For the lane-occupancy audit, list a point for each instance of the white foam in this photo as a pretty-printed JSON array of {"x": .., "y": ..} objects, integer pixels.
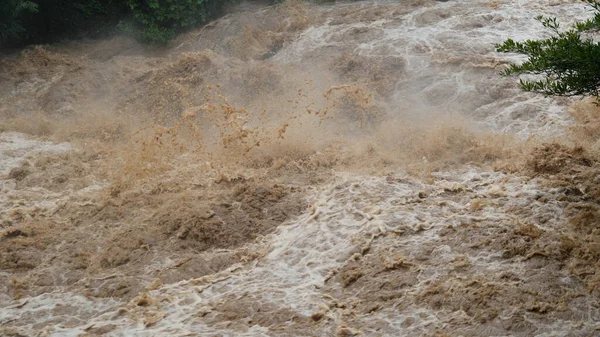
[
  {"x": 304, "y": 251},
  {"x": 16, "y": 147},
  {"x": 449, "y": 50}
]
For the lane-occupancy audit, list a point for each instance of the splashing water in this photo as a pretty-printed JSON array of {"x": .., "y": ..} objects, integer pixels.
[{"x": 286, "y": 171}]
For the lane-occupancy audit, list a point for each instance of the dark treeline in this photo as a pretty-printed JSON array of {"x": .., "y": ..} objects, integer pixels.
[{"x": 39, "y": 21}]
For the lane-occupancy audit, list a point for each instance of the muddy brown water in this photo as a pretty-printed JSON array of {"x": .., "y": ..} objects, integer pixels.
[{"x": 340, "y": 169}]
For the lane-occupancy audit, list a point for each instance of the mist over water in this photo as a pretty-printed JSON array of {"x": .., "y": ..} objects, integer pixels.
[{"x": 354, "y": 168}]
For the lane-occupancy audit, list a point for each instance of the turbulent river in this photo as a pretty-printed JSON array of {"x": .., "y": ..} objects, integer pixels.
[{"x": 346, "y": 169}]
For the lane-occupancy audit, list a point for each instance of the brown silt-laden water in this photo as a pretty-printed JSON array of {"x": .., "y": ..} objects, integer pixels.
[{"x": 347, "y": 169}]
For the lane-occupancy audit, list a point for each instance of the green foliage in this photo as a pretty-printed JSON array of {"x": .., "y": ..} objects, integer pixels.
[
  {"x": 160, "y": 20},
  {"x": 12, "y": 14},
  {"x": 152, "y": 34},
  {"x": 569, "y": 64},
  {"x": 31, "y": 21},
  {"x": 69, "y": 16},
  {"x": 593, "y": 23}
]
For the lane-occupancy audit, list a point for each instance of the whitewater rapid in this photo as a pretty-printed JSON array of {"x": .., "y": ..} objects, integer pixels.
[{"x": 449, "y": 68}]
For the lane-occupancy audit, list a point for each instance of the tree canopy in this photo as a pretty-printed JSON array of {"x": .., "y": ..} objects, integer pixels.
[
  {"x": 567, "y": 63},
  {"x": 35, "y": 21}
]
